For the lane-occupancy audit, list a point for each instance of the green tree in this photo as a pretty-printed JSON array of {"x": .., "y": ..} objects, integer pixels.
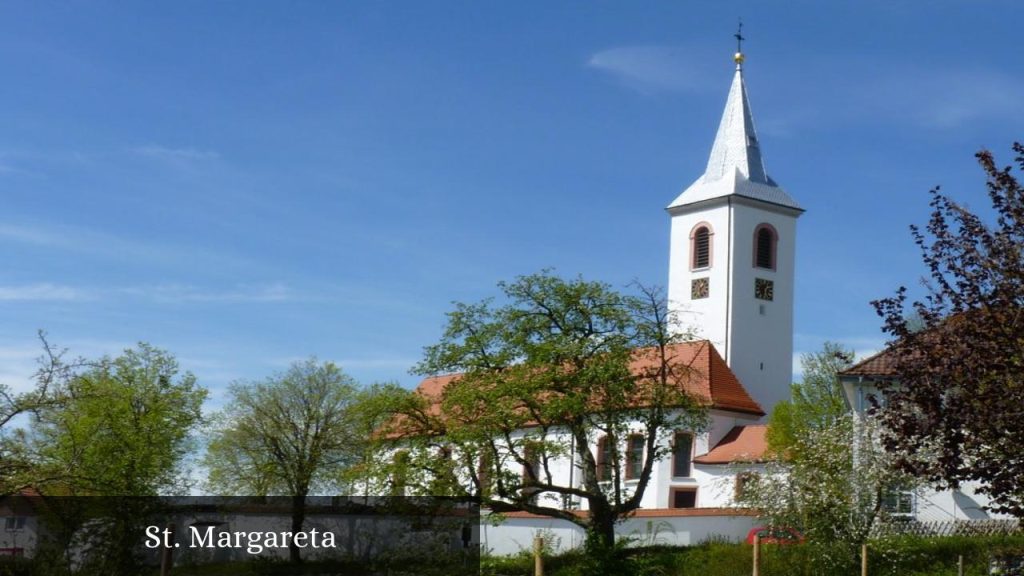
[
  {"x": 559, "y": 367},
  {"x": 124, "y": 426},
  {"x": 19, "y": 464},
  {"x": 291, "y": 434},
  {"x": 816, "y": 402},
  {"x": 954, "y": 410},
  {"x": 834, "y": 489},
  {"x": 829, "y": 476},
  {"x": 370, "y": 413}
]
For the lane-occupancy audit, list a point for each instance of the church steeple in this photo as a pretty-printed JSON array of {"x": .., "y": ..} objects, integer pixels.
[
  {"x": 736, "y": 147},
  {"x": 731, "y": 263},
  {"x": 735, "y": 166}
]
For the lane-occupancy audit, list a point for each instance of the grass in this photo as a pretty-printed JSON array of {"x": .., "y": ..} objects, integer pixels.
[{"x": 905, "y": 556}]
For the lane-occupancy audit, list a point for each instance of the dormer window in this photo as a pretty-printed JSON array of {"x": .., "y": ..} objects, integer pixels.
[
  {"x": 700, "y": 246},
  {"x": 765, "y": 241}
]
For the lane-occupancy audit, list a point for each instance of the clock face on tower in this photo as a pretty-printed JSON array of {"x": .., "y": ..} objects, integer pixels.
[
  {"x": 699, "y": 288},
  {"x": 764, "y": 289}
]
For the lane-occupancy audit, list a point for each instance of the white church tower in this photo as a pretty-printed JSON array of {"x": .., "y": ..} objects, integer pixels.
[{"x": 731, "y": 256}]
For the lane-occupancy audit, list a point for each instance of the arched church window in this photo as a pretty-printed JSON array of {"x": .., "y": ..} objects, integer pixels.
[
  {"x": 634, "y": 456},
  {"x": 604, "y": 459},
  {"x": 700, "y": 246},
  {"x": 765, "y": 240}
]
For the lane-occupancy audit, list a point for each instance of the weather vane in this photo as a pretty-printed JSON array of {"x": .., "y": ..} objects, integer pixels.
[{"x": 738, "y": 58}]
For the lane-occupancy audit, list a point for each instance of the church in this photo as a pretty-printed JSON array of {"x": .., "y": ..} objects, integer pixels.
[{"x": 731, "y": 275}]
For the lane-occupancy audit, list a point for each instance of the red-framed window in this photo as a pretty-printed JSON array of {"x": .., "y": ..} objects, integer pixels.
[{"x": 766, "y": 240}]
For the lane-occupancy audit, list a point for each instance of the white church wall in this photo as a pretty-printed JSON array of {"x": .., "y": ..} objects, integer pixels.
[
  {"x": 963, "y": 504},
  {"x": 565, "y": 472},
  {"x": 718, "y": 482},
  {"x": 721, "y": 423},
  {"x": 754, "y": 336},
  {"x": 929, "y": 504},
  {"x": 704, "y": 316},
  {"x": 515, "y": 535},
  {"x": 760, "y": 347},
  {"x": 713, "y": 484}
]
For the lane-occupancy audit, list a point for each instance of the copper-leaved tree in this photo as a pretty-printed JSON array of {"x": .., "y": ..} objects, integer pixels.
[{"x": 956, "y": 413}]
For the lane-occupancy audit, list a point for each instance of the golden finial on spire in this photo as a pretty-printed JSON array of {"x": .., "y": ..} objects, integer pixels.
[{"x": 738, "y": 57}]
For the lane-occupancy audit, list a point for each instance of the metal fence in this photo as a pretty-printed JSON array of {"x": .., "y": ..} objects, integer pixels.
[{"x": 946, "y": 528}]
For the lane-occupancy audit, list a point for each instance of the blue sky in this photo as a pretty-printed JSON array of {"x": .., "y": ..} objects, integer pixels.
[{"x": 250, "y": 183}]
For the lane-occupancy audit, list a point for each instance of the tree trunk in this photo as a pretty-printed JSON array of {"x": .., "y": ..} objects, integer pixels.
[
  {"x": 298, "y": 519},
  {"x": 600, "y": 545}
]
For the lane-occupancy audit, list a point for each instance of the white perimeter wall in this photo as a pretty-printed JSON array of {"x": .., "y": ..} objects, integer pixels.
[{"x": 514, "y": 535}]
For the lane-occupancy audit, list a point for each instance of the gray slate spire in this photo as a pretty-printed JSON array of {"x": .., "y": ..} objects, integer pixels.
[{"x": 735, "y": 166}]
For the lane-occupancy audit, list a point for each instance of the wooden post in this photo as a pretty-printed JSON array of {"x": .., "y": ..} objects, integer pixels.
[
  {"x": 864, "y": 559},
  {"x": 757, "y": 555},
  {"x": 167, "y": 554},
  {"x": 538, "y": 558},
  {"x": 960, "y": 565}
]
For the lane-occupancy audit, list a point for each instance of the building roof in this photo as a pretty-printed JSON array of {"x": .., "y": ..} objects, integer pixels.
[
  {"x": 709, "y": 379},
  {"x": 882, "y": 364},
  {"x": 735, "y": 166},
  {"x": 741, "y": 444},
  {"x": 955, "y": 329}
]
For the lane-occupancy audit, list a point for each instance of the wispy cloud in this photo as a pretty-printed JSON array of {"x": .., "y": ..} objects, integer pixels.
[
  {"x": 650, "y": 69},
  {"x": 104, "y": 245},
  {"x": 18, "y": 363},
  {"x": 158, "y": 293},
  {"x": 858, "y": 91},
  {"x": 29, "y": 235},
  {"x": 43, "y": 291},
  {"x": 175, "y": 154},
  {"x": 183, "y": 293},
  {"x": 13, "y": 163},
  {"x": 949, "y": 98}
]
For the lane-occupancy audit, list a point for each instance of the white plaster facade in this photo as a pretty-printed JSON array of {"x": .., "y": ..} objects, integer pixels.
[
  {"x": 751, "y": 329},
  {"x": 927, "y": 504},
  {"x": 515, "y": 535},
  {"x": 19, "y": 530},
  {"x": 714, "y": 516},
  {"x": 754, "y": 335},
  {"x": 714, "y": 483}
]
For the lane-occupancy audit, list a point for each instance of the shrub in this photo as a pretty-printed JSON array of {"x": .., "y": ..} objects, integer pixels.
[{"x": 900, "y": 556}]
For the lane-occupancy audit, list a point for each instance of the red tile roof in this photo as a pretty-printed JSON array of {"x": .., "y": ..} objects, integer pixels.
[
  {"x": 741, "y": 444},
  {"x": 880, "y": 364},
  {"x": 709, "y": 379}
]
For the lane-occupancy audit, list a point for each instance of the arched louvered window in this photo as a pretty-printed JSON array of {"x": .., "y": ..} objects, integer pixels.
[
  {"x": 700, "y": 246},
  {"x": 765, "y": 240}
]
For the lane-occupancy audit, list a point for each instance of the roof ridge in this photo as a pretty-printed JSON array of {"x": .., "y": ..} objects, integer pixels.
[
  {"x": 868, "y": 359},
  {"x": 717, "y": 384}
]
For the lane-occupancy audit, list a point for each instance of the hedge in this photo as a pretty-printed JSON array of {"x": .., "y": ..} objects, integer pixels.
[{"x": 897, "y": 556}]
